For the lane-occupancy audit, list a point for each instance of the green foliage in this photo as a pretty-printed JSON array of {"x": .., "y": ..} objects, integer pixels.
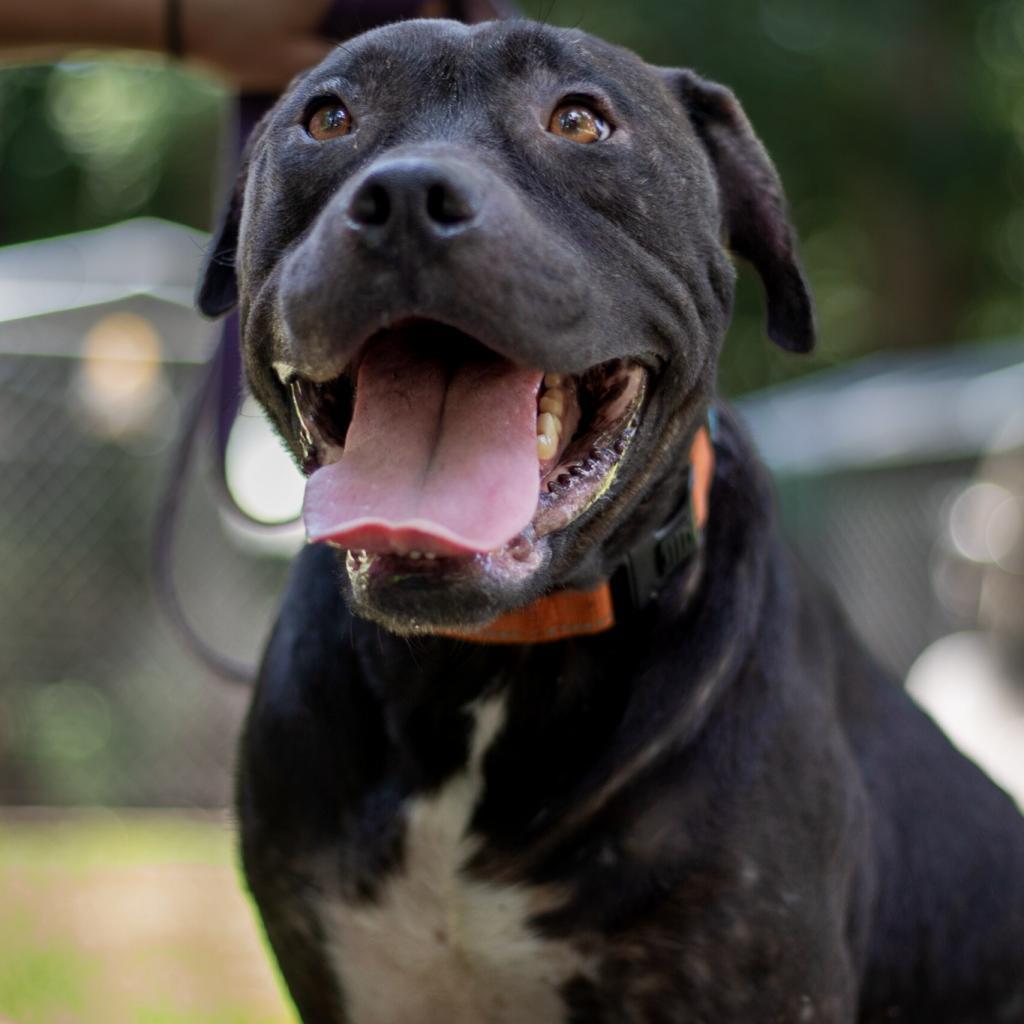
[
  {"x": 134, "y": 917},
  {"x": 91, "y": 142},
  {"x": 40, "y": 983},
  {"x": 159, "y": 1016}
]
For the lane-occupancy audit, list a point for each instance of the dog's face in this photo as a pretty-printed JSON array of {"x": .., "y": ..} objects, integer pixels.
[{"x": 484, "y": 280}]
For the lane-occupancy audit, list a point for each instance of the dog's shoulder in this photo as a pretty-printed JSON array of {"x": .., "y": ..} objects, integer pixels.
[{"x": 940, "y": 875}]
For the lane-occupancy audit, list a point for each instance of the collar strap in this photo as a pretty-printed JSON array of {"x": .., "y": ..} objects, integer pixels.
[
  {"x": 646, "y": 567},
  {"x": 557, "y": 616}
]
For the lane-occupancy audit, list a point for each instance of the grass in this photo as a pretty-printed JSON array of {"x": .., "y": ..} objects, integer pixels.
[{"x": 134, "y": 918}]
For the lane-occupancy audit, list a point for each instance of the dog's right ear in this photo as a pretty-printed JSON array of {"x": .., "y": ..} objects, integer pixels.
[{"x": 217, "y": 291}]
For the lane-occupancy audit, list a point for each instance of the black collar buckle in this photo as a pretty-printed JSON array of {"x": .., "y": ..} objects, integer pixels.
[{"x": 649, "y": 563}]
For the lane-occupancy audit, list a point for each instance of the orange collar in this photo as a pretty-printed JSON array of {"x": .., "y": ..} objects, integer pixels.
[{"x": 569, "y": 613}]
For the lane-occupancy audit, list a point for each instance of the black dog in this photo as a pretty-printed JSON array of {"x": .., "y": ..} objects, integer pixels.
[{"x": 720, "y": 810}]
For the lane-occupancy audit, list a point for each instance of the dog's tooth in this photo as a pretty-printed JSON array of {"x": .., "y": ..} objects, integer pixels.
[
  {"x": 549, "y": 429},
  {"x": 285, "y": 371},
  {"x": 429, "y": 555},
  {"x": 552, "y": 380},
  {"x": 546, "y": 447},
  {"x": 549, "y": 424},
  {"x": 415, "y": 555},
  {"x": 553, "y": 402}
]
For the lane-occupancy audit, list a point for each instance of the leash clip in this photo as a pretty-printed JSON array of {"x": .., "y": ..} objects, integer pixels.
[{"x": 648, "y": 564}]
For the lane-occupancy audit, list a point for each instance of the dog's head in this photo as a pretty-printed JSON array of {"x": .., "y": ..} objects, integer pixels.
[{"x": 484, "y": 277}]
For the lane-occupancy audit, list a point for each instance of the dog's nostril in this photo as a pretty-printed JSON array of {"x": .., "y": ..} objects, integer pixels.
[
  {"x": 371, "y": 205},
  {"x": 447, "y": 206},
  {"x": 395, "y": 198}
]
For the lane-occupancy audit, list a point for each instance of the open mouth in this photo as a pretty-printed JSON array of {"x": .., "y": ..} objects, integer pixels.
[{"x": 432, "y": 449}]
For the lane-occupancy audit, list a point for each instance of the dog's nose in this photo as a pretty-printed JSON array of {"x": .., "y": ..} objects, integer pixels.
[{"x": 418, "y": 195}]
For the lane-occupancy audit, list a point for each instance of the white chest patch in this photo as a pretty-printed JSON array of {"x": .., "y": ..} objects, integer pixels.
[{"x": 437, "y": 947}]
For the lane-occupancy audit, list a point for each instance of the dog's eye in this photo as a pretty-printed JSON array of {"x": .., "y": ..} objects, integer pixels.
[
  {"x": 578, "y": 123},
  {"x": 329, "y": 121}
]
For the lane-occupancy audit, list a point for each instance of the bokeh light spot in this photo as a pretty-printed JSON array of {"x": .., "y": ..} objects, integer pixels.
[
  {"x": 261, "y": 476},
  {"x": 120, "y": 381}
]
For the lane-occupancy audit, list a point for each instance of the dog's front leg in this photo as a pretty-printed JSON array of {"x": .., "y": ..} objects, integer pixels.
[{"x": 293, "y": 765}]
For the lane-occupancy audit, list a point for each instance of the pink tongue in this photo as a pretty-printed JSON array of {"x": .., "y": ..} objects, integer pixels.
[{"x": 436, "y": 460}]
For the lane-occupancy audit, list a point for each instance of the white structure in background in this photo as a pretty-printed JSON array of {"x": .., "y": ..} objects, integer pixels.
[
  {"x": 893, "y": 408},
  {"x": 119, "y": 300},
  {"x": 964, "y": 687}
]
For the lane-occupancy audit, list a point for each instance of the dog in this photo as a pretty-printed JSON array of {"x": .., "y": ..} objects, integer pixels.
[{"x": 552, "y": 727}]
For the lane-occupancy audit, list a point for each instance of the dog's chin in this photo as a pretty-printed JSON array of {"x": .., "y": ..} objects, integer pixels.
[{"x": 428, "y": 596}]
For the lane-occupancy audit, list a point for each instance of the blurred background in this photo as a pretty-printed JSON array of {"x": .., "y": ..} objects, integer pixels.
[{"x": 898, "y": 449}]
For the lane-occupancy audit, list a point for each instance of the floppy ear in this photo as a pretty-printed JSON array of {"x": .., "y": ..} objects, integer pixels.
[
  {"x": 217, "y": 291},
  {"x": 753, "y": 205}
]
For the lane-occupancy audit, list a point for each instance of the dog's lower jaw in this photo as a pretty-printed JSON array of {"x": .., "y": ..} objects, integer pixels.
[
  {"x": 415, "y": 594},
  {"x": 444, "y": 594}
]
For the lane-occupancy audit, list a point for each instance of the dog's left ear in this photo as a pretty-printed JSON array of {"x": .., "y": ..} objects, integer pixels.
[{"x": 753, "y": 205}]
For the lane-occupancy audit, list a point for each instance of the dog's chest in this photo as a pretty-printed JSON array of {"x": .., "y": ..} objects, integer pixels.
[{"x": 436, "y": 945}]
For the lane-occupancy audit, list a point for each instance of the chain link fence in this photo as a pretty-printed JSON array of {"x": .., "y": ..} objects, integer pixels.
[{"x": 100, "y": 701}]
